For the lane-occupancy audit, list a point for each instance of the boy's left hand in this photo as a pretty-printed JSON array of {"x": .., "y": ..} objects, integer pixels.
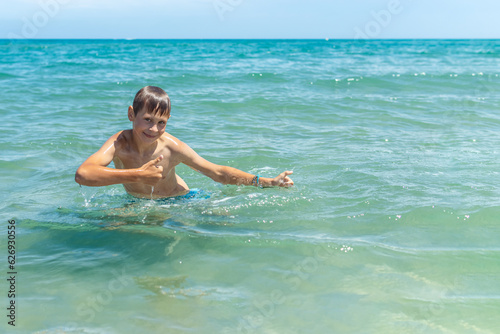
[{"x": 283, "y": 180}]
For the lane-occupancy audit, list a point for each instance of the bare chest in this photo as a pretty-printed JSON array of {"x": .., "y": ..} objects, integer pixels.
[{"x": 126, "y": 159}]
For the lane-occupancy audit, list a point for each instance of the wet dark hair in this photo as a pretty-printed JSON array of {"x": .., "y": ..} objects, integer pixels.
[{"x": 153, "y": 100}]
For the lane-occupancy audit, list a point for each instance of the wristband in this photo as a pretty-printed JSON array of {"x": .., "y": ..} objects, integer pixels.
[{"x": 255, "y": 181}]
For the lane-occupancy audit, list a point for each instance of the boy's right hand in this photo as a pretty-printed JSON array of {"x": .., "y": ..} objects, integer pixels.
[{"x": 151, "y": 173}]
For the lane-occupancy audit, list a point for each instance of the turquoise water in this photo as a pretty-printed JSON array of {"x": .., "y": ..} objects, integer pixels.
[{"x": 392, "y": 226}]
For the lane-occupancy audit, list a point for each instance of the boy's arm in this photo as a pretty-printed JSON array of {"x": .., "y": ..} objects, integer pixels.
[
  {"x": 94, "y": 171},
  {"x": 229, "y": 175}
]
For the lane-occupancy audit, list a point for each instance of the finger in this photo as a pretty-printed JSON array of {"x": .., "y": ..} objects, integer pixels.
[
  {"x": 283, "y": 175},
  {"x": 160, "y": 158},
  {"x": 155, "y": 161}
]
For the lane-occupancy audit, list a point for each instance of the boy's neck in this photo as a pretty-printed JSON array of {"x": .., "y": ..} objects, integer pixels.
[{"x": 143, "y": 148}]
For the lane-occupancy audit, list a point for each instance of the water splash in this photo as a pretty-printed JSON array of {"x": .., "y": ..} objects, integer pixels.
[{"x": 87, "y": 198}]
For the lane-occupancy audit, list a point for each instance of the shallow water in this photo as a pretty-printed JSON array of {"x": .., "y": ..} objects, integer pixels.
[{"x": 392, "y": 226}]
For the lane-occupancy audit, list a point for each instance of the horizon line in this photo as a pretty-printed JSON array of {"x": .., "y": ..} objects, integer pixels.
[{"x": 244, "y": 38}]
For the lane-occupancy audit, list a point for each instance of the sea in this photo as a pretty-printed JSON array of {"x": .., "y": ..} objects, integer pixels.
[{"x": 392, "y": 225}]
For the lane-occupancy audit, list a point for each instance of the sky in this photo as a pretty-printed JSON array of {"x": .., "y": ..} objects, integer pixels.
[{"x": 221, "y": 19}]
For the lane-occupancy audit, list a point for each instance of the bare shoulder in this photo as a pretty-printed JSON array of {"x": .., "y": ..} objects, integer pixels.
[
  {"x": 124, "y": 135},
  {"x": 120, "y": 136},
  {"x": 122, "y": 139},
  {"x": 174, "y": 144},
  {"x": 179, "y": 151}
]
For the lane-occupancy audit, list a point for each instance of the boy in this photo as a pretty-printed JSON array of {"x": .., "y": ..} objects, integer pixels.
[{"x": 145, "y": 156}]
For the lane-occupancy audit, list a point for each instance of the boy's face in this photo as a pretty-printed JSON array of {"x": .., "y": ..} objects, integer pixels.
[{"x": 148, "y": 127}]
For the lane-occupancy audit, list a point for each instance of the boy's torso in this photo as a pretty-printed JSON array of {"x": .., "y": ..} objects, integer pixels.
[{"x": 127, "y": 157}]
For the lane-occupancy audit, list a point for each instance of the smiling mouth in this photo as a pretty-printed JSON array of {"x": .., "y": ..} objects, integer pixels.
[{"x": 148, "y": 136}]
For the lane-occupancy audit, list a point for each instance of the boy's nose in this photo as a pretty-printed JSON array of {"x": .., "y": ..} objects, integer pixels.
[{"x": 154, "y": 128}]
